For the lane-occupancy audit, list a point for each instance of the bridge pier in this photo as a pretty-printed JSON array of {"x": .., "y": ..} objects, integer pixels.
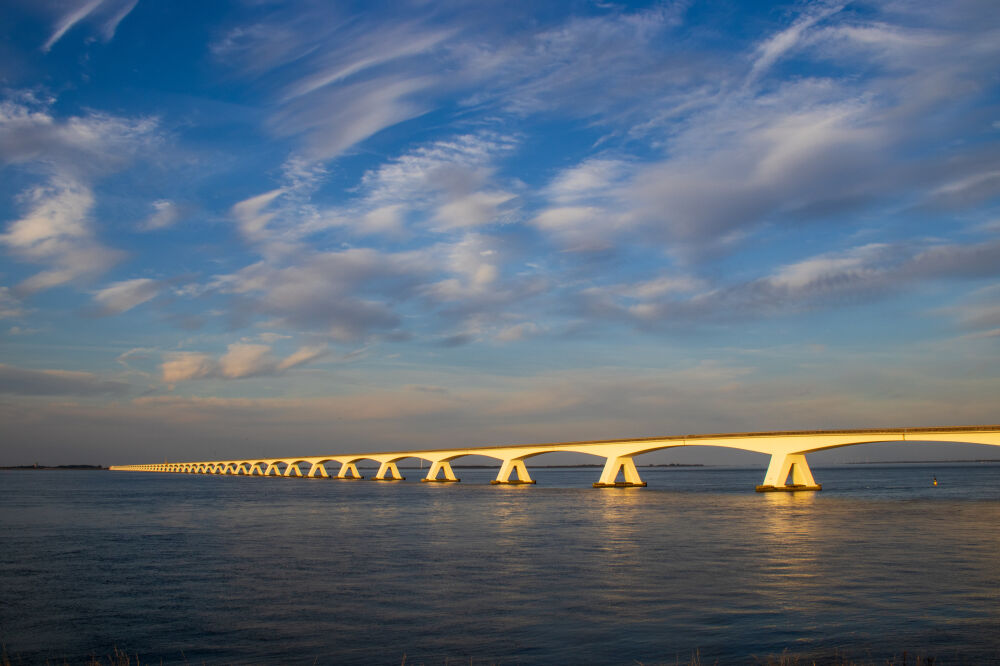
[
  {"x": 783, "y": 464},
  {"x": 318, "y": 471},
  {"x": 388, "y": 471},
  {"x": 623, "y": 464},
  {"x": 510, "y": 466},
  {"x": 348, "y": 471},
  {"x": 292, "y": 470},
  {"x": 440, "y": 466}
]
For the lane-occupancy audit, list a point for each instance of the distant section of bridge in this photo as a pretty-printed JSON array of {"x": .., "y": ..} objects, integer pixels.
[{"x": 787, "y": 471}]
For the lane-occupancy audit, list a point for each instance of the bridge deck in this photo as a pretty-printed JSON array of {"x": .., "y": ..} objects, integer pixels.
[{"x": 787, "y": 449}]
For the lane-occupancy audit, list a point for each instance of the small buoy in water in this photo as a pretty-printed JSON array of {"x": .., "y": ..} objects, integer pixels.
[{"x": 935, "y": 480}]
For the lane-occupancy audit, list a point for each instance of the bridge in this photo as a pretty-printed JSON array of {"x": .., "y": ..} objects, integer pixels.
[{"x": 787, "y": 471}]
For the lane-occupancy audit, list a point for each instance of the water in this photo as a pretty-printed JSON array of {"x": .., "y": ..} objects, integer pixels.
[{"x": 184, "y": 568}]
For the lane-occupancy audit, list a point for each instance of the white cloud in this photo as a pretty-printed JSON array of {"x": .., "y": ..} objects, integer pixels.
[
  {"x": 78, "y": 147},
  {"x": 302, "y": 356},
  {"x": 580, "y": 228},
  {"x": 590, "y": 180},
  {"x": 109, "y": 13},
  {"x": 251, "y": 217},
  {"x": 69, "y": 20},
  {"x": 778, "y": 45},
  {"x": 385, "y": 220},
  {"x": 165, "y": 214},
  {"x": 181, "y": 366},
  {"x": 330, "y": 121},
  {"x": 473, "y": 210},
  {"x": 57, "y": 231},
  {"x": 245, "y": 360},
  {"x": 122, "y": 296},
  {"x": 240, "y": 361},
  {"x": 860, "y": 263}
]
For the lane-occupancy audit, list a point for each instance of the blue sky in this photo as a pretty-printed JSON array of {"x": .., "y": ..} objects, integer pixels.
[{"x": 242, "y": 228}]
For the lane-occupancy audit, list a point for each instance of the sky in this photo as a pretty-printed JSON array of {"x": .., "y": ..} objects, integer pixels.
[{"x": 258, "y": 228}]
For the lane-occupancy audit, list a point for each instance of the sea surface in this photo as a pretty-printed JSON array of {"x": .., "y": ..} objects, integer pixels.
[{"x": 219, "y": 569}]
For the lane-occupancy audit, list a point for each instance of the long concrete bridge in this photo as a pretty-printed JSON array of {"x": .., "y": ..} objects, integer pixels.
[{"x": 787, "y": 471}]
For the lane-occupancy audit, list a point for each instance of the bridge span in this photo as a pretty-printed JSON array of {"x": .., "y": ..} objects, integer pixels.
[{"x": 787, "y": 471}]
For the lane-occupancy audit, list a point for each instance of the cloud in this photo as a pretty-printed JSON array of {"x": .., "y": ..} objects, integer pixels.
[
  {"x": 345, "y": 295},
  {"x": 333, "y": 120},
  {"x": 979, "y": 313},
  {"x": 21, "y": 381},
  {"x": 57, "y": 231},
  {"x": 518, "y": 332},
  {"x": 69, "y": 20},
  {"x": 741, "y": 155},
  {"x": 584, "y": 66},
  {"x": 432, "y": 194},
  {"x": 10, "y": 307},
  {"x": 776, "y": 46},
  {"x": 241, "y": 360},
  {"x": 251, "y": 217},
  {"x": 857, "y": 275},
  {"x": 120, "y": 297},
  {"x": 473, "y": 210},
  {"x": 76, "y": 147},
  {"x": 107, "y": 13},
  {"x": 165, "y": 215},
  {"x": 181, "y": 366},
  {"x": 333, "y": 82},
  {"x": 448, "y": 185}
]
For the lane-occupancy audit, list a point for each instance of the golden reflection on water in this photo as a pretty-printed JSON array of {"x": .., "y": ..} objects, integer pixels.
[{"x": 790, "y": 552}]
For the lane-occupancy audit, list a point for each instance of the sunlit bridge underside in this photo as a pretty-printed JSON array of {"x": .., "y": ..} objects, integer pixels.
[{"x": 787, "y": 471}]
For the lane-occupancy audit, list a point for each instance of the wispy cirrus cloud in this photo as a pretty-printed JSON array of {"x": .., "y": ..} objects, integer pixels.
[
  {"x": 104, "y": 14},
  {"x": 123, "y": 296},
  {"x": 765, "y": 150},
  {"x": 340, "y": 81},
  {"x": 23, "y": 381},
  {"x": 241, "y": 360},
  {"x": 858, "y": 275}
]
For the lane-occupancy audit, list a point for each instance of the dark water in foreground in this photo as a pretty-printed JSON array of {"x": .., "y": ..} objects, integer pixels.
[{"x": 249, "y": 570}]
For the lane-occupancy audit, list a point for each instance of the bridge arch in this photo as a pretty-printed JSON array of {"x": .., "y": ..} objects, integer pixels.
[{"x": 787, "y": 449}]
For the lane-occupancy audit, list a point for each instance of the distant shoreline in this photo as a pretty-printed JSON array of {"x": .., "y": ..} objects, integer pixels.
[
  {"x": 92, "y": 468},
  {"x": 921, "y": 462}
]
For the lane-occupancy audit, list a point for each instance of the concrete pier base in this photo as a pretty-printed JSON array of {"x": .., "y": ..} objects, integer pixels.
[
  {"x": 787, "y": 489},
  {"x": 440, "y": 480},
  {"x": 620, "y": 484},
  {"x": 515, "y": 482}
]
